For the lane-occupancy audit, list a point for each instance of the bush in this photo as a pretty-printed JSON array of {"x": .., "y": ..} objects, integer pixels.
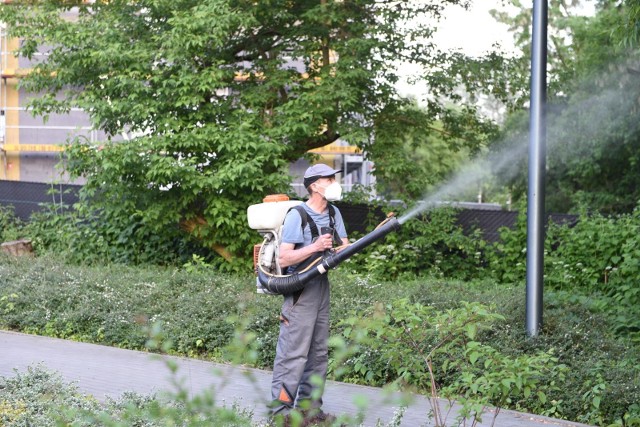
[
  {"x": 41, "y": 398},
  {"x": 10, "y": 225},
  {"x": 37, "y": 398},
  {"x": 427, "y": 245},
  {"x": 201, "y": 310},
  {"x": 92, "y": 239},
  {"x": 598, "y": 256},
  {"x": 114, "y": 304},
  {"x": 578, "y": 370},
  {"x": 603, "y": 372}
]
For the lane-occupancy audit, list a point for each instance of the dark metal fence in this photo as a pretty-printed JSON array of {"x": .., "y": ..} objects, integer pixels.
[
  {"x": 29, "y": 197},
  {"x": 487, "y": 221}
]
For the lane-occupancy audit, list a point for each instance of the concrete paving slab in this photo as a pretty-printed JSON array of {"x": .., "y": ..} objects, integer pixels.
[{"x": 104, "y": 371}]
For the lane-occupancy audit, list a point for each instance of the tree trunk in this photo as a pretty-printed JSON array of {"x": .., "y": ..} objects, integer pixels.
[{"x": 18, "y": 247}]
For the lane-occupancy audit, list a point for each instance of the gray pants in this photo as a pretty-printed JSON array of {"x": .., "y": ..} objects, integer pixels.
[{"x": 302, "y": 351}]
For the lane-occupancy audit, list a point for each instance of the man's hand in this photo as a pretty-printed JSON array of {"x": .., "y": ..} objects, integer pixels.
[{"x": 323, "y": 243}]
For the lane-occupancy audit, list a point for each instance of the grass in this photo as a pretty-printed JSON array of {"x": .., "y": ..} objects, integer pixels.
[{"x": 199, "y": 312}]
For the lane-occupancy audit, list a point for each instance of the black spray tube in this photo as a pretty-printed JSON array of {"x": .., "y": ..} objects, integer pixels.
[{"x": 296, "y": 281}]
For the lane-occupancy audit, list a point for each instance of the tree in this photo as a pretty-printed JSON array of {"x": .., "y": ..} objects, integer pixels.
[
  {"x": 593, "y": 137},
  {"x": 563, "y": 17},
  {"x": 215, "y": 97},
  {"x": 417, "y": 153},
  {"x": 628, "y": 30}
]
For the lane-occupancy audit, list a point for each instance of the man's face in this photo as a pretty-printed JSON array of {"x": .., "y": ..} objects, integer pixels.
[{"x": 324, "y": 183}]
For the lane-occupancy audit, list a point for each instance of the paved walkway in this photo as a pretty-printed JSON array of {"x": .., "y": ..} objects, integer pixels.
[{"x": 106, "y": 371}]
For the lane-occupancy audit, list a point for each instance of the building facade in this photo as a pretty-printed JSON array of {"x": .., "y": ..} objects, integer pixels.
[{"x": 30, "y": 147}]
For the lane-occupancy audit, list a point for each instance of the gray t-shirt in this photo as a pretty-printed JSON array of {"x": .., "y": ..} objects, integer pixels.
[{"x": 292, "y": 227}]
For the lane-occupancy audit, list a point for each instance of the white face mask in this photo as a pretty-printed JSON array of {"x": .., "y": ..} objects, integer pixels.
[{"x": 332, "y": 192}]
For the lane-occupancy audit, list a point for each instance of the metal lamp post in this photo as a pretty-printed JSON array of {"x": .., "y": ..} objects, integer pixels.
[{"x": 537, "y": 152}]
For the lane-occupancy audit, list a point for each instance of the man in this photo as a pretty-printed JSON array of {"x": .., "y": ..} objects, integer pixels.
[{"x": 302, "y": 350}]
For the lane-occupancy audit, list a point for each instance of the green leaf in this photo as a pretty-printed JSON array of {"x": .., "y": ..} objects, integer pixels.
[{"x": 542, "y": 397}]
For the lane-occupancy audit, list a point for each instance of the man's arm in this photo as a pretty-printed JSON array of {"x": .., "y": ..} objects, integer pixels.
[{"x": 290, "y": 256}]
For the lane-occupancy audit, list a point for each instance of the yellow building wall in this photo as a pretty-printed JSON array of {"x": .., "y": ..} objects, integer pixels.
[{"x": 10, "y": 101}]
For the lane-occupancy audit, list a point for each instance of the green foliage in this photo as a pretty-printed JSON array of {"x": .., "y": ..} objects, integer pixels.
[
  {"x": 564, "y": 20},
  {"x": 104, "y": 239},
  {"x": 398, "y": 341},
  {"x": 599, "y": 369},
  {"x": 208, "y": 314},
  {"x": 430, "y": 244},
  {"x": 10, "y": 225},
  {"x": 114, "y": 304},
  {"x": 592, "y": 132},
  {"x": 38, "y": 397},
  {"x": 628, "y": 30},
  {"x": 42, "y": 398},
  {"x": 412, "y": 153},
  {"x": 359, "y": 194},
  {"x": 600, "y": 255},
  {"x": 205, "y": 103},
  {"x": 491, "y": 378},
  {"x": 507, "y": 258},
  {"x": 437, "y": 352},
  {"x": 597, "y": 256},
  {"x": 593, "y": 253}
]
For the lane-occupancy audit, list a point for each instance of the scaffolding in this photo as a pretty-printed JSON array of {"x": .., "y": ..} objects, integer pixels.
[{"x": 30, "y": 148}]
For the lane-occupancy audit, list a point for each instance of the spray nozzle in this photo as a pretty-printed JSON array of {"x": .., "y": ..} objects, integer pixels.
[{"x": 390, "y": 216}]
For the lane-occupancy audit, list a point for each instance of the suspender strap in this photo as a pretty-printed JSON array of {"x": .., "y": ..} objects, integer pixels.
[
  {"x": 306, "y": 219},
  {"x": 332, "y": 222}
]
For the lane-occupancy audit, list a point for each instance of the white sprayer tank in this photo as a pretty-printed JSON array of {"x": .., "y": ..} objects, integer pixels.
[
  {"x": 270, "y": 214},
  {"x": 267, "y": 219}
]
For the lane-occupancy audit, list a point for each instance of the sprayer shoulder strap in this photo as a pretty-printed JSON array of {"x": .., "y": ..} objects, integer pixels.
[
  {"x": 332, "y": 223},
  {"x": 306, "y": 219}
]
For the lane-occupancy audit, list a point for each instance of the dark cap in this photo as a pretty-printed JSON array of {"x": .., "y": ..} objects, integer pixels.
[{"x": 318, "y": 171}]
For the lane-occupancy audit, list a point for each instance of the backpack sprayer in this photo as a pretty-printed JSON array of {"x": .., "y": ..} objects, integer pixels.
[{"x": 267, "y": 219}]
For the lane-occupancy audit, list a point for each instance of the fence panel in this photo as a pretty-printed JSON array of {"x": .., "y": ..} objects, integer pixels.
[{"x": 29, "y": 197}]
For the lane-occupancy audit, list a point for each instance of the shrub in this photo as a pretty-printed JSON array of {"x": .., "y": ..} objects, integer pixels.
[
  {"x": 598, "y": 256},
  {"x": 10, "y": 225},
  {"x": 201, "y": 311},
  {"x": 89, "y": 238},
  {"x": 602, "y": 381},
  {"x": 114, "y": 304},
  {"x": 37, "y": 398},
  {"x": 507, "y": 258},
  {"x": 436, "y": 352},
  {"x": 430, "y": 244},
  {"x": 41, "y": 398}
]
